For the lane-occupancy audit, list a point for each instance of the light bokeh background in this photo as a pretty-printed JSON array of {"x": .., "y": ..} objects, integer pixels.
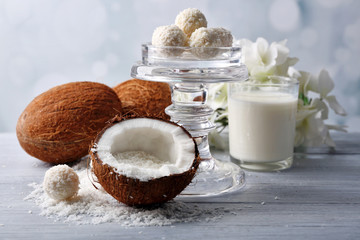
[{"x": 44, "y": 43}]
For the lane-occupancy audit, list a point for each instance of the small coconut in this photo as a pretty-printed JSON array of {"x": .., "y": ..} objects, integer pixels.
[
  {"x": 143, "y": 161},
  {"x": 144, "y": 98},
  {"x": 59, "y": 125}
]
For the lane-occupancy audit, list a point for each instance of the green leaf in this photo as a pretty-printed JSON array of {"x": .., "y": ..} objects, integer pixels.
[{"x": 305, "y": 99}]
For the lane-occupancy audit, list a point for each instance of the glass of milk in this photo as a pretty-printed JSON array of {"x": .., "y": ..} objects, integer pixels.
[{"x": 262, "y": 115}]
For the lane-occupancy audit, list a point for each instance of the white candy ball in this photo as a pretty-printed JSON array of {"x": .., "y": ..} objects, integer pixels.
[
  {"x": 189, "y": 20},
  {"x": 207, "y": 40},
  {"x": 169, "y": 35},
  {"x": 204, "y": 37},
  {"x": 211, "y": 37},
  {"x": 61, "y": 182},
  {"x": 224, "y": 35}
]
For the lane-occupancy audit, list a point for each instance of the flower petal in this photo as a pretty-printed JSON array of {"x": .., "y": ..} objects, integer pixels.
[
  {"x": 282, "y": 52},
  {"x": 262, "y": 46},
  {"x": 214, "y": 88},
  {"x": 329, "y": 141},
  {"x": 269, "y": 58},
  {"x": 261, "y": 72},
  {"x": 334, "y": 105},
  {"x": 340, "y": 128},
  {"x": 216, "y": 140},
  {"x": 303, "y": 82},
  {"x": 293, "y": 72},
  {"x": 326, "y": 84},
  {"x": 321, "y": 106},
  {"x": 314, "y": 133},
  {"x": 312, "y": 84},
  {"x": 283, "y": 69},
  {"x": 217, "y": 100},
  {"x": 302, "y": 115}
]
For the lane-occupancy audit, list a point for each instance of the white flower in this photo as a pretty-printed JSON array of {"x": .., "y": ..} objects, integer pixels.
[
  {"x": 218, "y": 100},
  {"x": 302, "y": 77},
  {"x": 313, "y": 132},
  {"x": 323, "y": 84},
  {"x": 310, "y": 127},
  {"x": 264, "y": 60}
]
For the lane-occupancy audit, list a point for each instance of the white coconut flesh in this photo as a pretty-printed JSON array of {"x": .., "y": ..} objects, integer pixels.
[{"x": 145, "y": 149}]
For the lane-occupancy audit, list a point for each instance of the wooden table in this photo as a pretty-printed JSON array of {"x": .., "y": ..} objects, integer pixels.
[{"x": 318, "y": 198}]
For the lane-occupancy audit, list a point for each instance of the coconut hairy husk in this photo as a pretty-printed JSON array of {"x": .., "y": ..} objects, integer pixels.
[
  {"x": 144, "y": 98},
  {"x": 134, "y": 192},
  {"x": 59, "y": 125}
]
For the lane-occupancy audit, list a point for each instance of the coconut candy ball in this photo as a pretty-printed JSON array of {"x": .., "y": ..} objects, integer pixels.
[
  {"x": 189, "y": 20},
  {"x": 204, "y": 37},
  {"x": 61, "y": 182},
  {"x": 224, "y": 35},
  {"x": 211, "y": 37},
  {"x": 207, "y": 40},
  {"x": 169, "y": 35}
]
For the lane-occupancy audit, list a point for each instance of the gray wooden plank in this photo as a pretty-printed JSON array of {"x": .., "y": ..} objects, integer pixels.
[
  {"x": 319, "y": 198},
  {"x": 280, "y": 221}
]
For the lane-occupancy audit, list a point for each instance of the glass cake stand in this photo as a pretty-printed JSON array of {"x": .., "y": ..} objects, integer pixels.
[{"x": 188, "y": 72}]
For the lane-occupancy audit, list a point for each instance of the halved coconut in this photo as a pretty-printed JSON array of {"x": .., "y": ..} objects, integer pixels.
[{"x": 143, "y": 161}]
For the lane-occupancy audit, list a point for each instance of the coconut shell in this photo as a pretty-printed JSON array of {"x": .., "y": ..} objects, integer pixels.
[
  {"x": 134, "y": 192},
  {"x": 59, "y": 125},
  {"x": 144, "y": 98}
]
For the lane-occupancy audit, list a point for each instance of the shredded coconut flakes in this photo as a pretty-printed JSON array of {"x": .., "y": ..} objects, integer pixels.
[{"x": 95, "y": 206}]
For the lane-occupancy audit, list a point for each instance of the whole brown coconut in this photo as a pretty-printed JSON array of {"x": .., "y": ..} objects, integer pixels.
[
  {"x": 144, "y": 98},
  {"x": 132, "y": 191},
  {"x": 59, "y": 125}
]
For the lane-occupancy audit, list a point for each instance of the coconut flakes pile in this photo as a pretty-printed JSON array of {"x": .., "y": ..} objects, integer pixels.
[
  {"x": 139, "y": 158},
  {"x": 92, "y": 206}
]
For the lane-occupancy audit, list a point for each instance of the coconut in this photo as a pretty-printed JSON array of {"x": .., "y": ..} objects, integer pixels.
[
  {"x": 59, "y": 125},
  {"x": 143, "y": 161},
  {"x": 144, "y": 98}
]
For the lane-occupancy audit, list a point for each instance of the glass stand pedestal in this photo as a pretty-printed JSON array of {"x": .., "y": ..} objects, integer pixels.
[{"x": 189, "y": 77}]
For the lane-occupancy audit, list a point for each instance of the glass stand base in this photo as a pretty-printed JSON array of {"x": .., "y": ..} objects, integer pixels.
[
  {"x": 189, "y": 77},
  {"x": 215, "y": 177},
  {"x": 264, "y": 166}
]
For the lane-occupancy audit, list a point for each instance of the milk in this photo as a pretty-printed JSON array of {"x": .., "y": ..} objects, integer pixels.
[{"x": 262, "y": 126}]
